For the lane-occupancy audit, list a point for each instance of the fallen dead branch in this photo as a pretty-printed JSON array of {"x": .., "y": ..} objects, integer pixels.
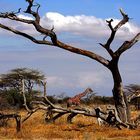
[
  {"x": 53, "y": 112},
  {"x": 12, "y": 116}
]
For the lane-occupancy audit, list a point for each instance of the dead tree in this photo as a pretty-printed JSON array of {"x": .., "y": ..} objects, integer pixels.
[
  {"x": 13, "y": 116},
  {"x": 54, "y": 112},
  {"x": 111, "y": 65}
]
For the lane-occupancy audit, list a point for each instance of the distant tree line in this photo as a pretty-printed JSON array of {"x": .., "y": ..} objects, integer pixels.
[{"x": 11, "y": 86}]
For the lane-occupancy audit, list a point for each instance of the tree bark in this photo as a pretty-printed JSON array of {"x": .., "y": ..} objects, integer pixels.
[{"x": 118, "y": 94}]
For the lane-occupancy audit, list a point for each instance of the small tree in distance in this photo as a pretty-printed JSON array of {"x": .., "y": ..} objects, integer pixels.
[
  {"x": 13, "y": 79},
  {"x": 11, "y": 84},
  {"x": 111, "y": 65}
]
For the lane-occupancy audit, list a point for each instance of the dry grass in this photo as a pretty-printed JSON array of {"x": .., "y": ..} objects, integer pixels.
[{"x": 83, "y": 128}]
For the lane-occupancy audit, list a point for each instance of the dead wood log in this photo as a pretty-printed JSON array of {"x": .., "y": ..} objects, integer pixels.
[
  {"x": 110, "y": 117},
  {"x": 17, "y": 118},
  {"x": 52, "y": 119},
  {"x": 70, "y": 117}
]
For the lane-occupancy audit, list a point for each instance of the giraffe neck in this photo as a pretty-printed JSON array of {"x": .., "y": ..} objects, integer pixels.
[
  {"x": 84, "y": 93},
  {"x": 76, "y": 99}
]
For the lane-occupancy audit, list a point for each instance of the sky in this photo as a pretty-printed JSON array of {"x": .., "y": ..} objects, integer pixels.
[{"x": 80, "y": 23}]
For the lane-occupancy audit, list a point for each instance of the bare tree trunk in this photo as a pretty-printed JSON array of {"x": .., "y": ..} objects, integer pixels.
[
  {"x": 118, "y": 94},
  {"x": 45, "y": 86},
  {"x": 120, "y": 102}
]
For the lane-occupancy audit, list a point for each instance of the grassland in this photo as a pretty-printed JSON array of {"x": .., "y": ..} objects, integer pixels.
[{"x": 83, "y": 128}]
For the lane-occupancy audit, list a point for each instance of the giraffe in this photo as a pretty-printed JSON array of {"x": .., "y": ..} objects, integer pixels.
[{"x": 77, "y": 98}]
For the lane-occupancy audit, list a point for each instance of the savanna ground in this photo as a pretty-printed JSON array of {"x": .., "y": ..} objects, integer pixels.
[{"x": 83, "y": 128}]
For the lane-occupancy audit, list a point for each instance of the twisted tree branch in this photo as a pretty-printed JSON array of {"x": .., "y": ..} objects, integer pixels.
[
  {"x": 54, "y": 41},
  {"x": 26, "y": 35},
  {"x": 113, "y": 32},
  {"x": 127, "y": 45}
]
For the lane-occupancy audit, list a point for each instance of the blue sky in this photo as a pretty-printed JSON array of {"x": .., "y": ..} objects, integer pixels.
[{"x": 80, "y": 23}]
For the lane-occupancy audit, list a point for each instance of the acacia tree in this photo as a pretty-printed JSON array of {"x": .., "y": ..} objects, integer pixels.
[
  {"x": 112, "y": 64},
  {"x": 13, "y": 79}
]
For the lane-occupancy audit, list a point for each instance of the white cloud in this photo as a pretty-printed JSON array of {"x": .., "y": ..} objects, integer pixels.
[
  {"x": 96, "y": 79},
  {"x": 55, "y": 81},
  {"x": 85, "y": 25},
  {"x": 25, "y": 17},
  {"x": 27, "y": 28},
  {"x": 129, "y": 29},
  {"x": 78, "y": 25},
  {"x": 59, "y": 82},
  {"x": 81, "y": 79}
]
